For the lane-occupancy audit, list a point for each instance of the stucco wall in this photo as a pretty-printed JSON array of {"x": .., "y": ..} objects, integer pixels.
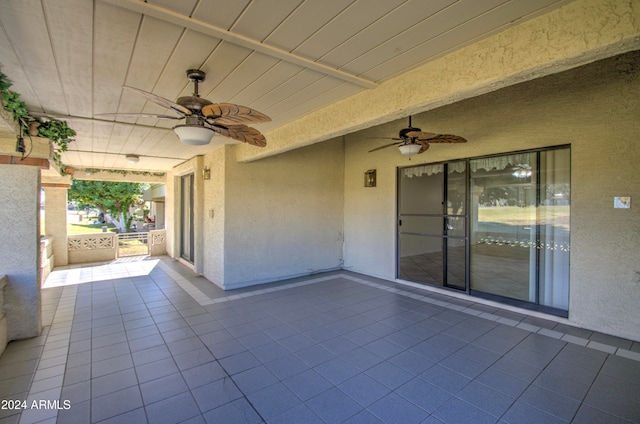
[
  {"x": 284, "y": 215},
  {"x": 20, "y": 249},
  {"x": 56, "y": 222},
  {"x": 214, "y": 215},
  {"x": 595, "y": 109}
]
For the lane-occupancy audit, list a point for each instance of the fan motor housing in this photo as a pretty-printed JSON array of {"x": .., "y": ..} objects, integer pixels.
[
  {"x": 193, "y": 102},
  {"x": 403, "y": 132}
]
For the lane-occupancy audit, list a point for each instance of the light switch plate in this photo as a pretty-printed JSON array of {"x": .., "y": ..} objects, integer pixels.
[{"x": 622, "y": 202}]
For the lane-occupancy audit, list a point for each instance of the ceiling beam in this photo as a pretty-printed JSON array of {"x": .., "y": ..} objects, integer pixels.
[
  {"x": 58, "y": 117},
  {"x": 249, "y": 43},
  {"x": 17, "y": 160},
  {"x": 124, "y": 154}
]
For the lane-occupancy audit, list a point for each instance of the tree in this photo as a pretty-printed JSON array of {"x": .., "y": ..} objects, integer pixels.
[{"x": 114, "y": 199}]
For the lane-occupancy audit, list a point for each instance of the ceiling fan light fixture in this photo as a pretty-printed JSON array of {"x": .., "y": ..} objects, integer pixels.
[
  {"x": 196, "y": 135},
  {"x": 132, "y": 158},
  {"x": 410, "y": 149}
]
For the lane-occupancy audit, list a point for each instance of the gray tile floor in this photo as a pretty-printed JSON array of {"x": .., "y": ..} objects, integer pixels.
[{"x": 150, "y": 341}]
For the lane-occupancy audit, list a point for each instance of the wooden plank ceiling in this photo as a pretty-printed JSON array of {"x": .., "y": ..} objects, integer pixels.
[{"x": 285, "y": 58}]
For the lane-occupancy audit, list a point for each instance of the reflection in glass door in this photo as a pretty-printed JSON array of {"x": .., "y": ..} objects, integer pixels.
[
  {"x": 432, "y": 224},
  {"x": 520, "y": 227},
  {"x": 186, "y": 217}
]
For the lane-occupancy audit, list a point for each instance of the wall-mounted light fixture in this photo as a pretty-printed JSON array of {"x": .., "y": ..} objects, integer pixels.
[
  {"x": 370, "y": 178},
  {"x": 206, "y": 173},
  {"x": 20, "y": 147},
  {"x": 132, "y": 158}
]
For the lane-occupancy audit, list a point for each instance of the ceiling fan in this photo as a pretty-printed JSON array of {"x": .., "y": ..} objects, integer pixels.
[
  {"x": 415, "y": 141},
  {"x": 204, "y": 119}
]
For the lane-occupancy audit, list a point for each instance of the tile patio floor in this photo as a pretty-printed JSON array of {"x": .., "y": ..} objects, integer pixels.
[{"x": 150, "y": 341}]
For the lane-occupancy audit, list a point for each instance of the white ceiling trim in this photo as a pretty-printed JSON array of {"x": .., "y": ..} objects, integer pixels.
[{"x": 217, "y": 32}]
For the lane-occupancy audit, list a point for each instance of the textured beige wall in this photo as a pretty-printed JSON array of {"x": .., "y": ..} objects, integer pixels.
[
  {"x": 267, "y": 220},
  {"x": 20, "y": 248},
  {"x": 4, "y": 330},
  {"x": 55, "y": 222},
  {"x": 283, "y": 215},
  {"x": 214, "y": 215},
  {"x": 595, "y": 109}
]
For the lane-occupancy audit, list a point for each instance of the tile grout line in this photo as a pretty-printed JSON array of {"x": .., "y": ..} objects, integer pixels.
[
  {"x": 43, "y": 399},
  {"x": 609, "y": 349},
  {"x": 186, "y": 285}
]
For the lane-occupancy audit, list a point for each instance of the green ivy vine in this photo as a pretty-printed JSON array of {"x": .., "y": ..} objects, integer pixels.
[
  {"x": 125, "y": 172},
  {"x": 56, "y": 131}
]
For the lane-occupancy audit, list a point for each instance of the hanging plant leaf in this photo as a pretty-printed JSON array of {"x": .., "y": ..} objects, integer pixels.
[{"x": 57, "y": 131}]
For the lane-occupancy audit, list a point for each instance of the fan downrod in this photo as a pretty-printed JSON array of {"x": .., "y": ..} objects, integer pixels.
[{"x": 194, "y": 102}]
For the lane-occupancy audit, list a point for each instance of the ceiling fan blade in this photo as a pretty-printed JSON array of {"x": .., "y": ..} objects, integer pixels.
[
  {"x": 160, "y": 100},
  {"x": 420, "y": 135},
  {"x": 425, "y": 146},
  {"x": 384, "y": 138},
  {"x": 231, "y": 114},
  {"x": 241, "y": 133},
  {"x": 385, "y": 146},
  {"x": 136, "y": 115},
  {"x": 446, "y": 138}
]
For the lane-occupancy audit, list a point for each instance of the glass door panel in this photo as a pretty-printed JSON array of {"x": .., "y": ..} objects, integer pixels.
[
  {"x": 421, "y": 259},
  {"x": 520, "y": 227},
  {"x": 423, "y": 225},
  {"x": 420, "y": 224},
  {"x": 504, "y": 231},
  {"x": 432, "y": 236},
  {"x": 455, "y": 229},
  {"x": 553, "y": 228},
  {"x": 186, "y": 217}
]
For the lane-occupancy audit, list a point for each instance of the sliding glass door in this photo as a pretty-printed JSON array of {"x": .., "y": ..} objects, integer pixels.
[{"x": 496, "y": 227}]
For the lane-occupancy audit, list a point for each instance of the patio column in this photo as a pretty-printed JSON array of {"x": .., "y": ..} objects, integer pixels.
[
  {"x": 55, "y": 220},
  {"x": 20, "y": 248}
]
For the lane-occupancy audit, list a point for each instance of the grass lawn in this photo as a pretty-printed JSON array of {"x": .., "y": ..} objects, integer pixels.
[
  {"x": 514, "y": 215},
  {"x": 75, "y": 225},
  {"x": 88, "y": 228}
]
